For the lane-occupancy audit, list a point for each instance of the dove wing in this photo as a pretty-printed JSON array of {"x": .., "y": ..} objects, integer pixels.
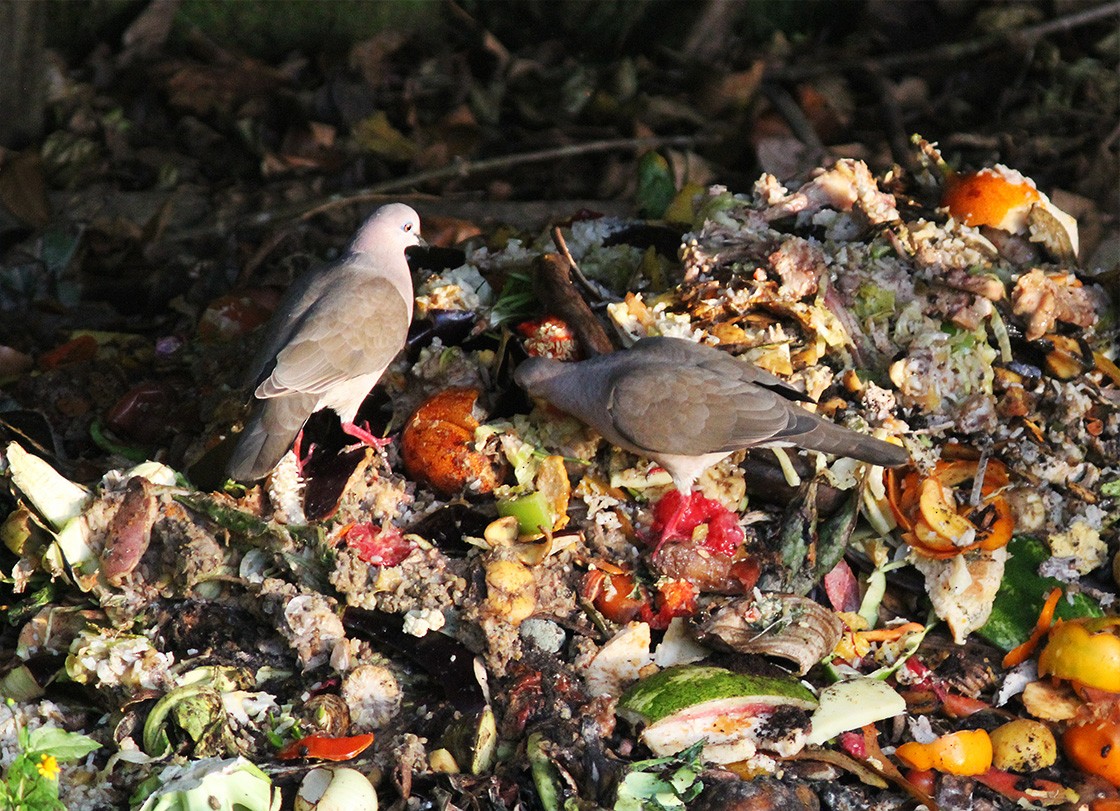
[
  {"x": 693, "y": 410},
  {"x": 358, "y": 329}
]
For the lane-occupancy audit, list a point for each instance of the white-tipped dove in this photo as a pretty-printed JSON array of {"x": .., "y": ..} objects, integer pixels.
[
  {"x": 336, "y": 330},
  {"x": 686, "y": 406}
]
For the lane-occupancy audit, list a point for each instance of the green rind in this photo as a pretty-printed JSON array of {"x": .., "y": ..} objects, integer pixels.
[
  {"x": 678, "y": 688},
  {"x": 1022, "y": 593}
]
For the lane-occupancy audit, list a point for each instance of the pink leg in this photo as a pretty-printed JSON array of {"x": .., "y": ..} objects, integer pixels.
[
  {"x": 297, "y": 449},
  {"x": 363, "y": 435}
]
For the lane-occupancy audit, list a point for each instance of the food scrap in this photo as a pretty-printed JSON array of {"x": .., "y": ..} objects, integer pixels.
[{"x": 498, "y": 608}]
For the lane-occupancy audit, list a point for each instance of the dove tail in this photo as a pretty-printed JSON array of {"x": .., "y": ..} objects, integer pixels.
[
  {"x": 269, "y": 434},
  {"x": 818, "y": 434}
]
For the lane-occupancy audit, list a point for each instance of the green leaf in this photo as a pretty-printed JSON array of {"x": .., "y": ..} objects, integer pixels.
[
  {"x": 517, "y": 301},
  {"x": 51, "y": 740},
  {"x": 656, "y": 188},
  {"x": 662, "y": 784},
  {"x": 1022, "y": 593}
]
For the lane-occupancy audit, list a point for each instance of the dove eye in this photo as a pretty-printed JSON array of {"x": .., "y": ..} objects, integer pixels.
[{"x": 407, "y": 226}]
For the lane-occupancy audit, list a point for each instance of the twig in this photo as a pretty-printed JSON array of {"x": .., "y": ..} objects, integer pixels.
[
  {"x": 466, "y": 168},
  {"x": 376, "y": 192},
  {"x": 953, "y": 50},
  {"x": 267, "y": 246},
  {"x": 1112, "y": 138},
  {"x": 584, "y": 282},
  {"x": 901, "y": 151},
  {"x": 978, "y": 479},
  {"x": 553, "y": 283},
  {"x": 709, "y": 34},
  {"x": 789, "y": 110},
  {"x": 522, "y": 214}
]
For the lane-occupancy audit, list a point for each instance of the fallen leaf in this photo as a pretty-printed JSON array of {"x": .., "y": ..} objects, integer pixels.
[
  {"x": 23, "y": 190},
  {"x": 375, "y": 134}
]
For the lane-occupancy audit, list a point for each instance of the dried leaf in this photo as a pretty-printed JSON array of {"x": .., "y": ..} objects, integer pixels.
[
  {"x": 375, "y": 134},
  {"x": 23, "y": 189}
]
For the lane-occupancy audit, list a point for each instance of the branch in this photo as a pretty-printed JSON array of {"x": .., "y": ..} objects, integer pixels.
[
  {"x": 465, "y": 168},
  {"x": 952, "y": 51}
]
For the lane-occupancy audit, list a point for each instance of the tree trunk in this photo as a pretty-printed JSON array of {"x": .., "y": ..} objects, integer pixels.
[{"x": 23, "y": 75}]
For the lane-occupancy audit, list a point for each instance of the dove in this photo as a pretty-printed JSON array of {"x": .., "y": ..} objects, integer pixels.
[
  {"x": 335, "y": 331},
  {"x": 686, "y": 406}
]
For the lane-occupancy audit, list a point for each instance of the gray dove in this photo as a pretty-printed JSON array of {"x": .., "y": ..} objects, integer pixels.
[
  {"x": 686, "y": 406},
  {"x": 335, "y": 331}
]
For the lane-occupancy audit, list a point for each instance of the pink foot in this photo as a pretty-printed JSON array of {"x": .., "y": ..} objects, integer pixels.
[
  {"x": 363, "y": 435},
  {"x": 297, "y": 449}
]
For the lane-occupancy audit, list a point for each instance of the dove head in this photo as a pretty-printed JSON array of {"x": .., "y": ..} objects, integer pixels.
[
  {"x": 391, "y": 228},
  {"x": 534, "y": 374}
]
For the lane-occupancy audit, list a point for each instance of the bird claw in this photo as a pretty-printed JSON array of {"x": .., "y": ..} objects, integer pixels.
[
  {"x": 363, "y": 435},
  {"x": 302, "y": 458}
]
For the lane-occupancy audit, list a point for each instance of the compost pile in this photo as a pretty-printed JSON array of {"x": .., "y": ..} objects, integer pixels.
[{"x": 478, "y": 615}]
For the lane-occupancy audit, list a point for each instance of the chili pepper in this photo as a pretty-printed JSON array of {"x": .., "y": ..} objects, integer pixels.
[
  {"x": 324, "y": 748},
  {"x": 1084, "y": 651},
  {"x": 967, "y": 752},
  {"x": 1095, "y": 749},
  {"x": 1045, "y": 620}
]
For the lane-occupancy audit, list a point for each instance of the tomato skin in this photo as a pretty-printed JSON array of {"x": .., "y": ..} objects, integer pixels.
[
  {"x": 375, "y": 545},
  {"x": 1095, "y": 749},
  {"x": 80, "y": 349},
  {"x": 549, "y": 337},
  {"x": 233, "y": 315},
  {"x": 675, "y": 598},
  {"x": 619, "y": 598}
]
